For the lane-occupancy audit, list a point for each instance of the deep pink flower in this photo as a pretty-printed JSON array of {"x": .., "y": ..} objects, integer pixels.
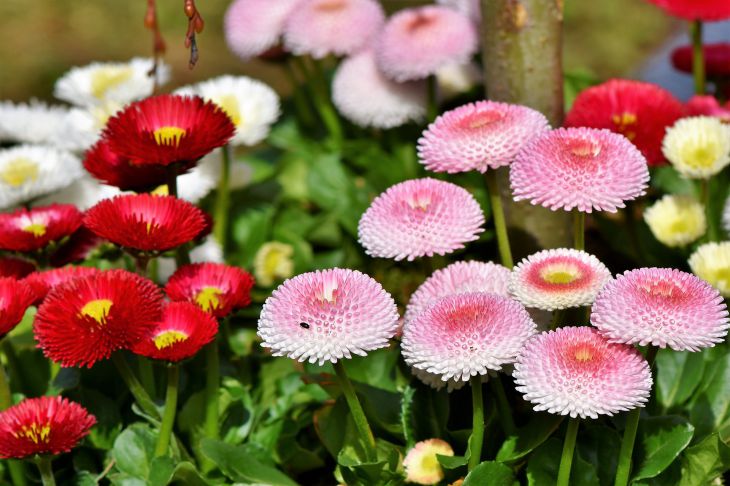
[
  {"x": 214, "y": 287},
  {"x": 717, "y": 59},
  {"x": 706, "y": 105},
  {"x": 44, "y": 281},
  {"x": 29, "y": 230},
  {"x": 706, "y": 10},
  {"x": 15, "y": 298}
]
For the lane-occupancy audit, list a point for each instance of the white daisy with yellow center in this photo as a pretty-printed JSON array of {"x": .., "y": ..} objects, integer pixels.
[
  {"x": 34, "y": 122},
  {"x": 273, "y": 262},
  {"x": 698, "y": 147},
  {"x": 676, "y": 220},
  {"x": 711, "y": 263}
]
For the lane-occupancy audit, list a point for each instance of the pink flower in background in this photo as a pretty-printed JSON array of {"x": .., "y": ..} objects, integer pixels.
[
  {"x": 479, "y": 136},
  {"x": 420, "y": 217},
  {"x": 252, "y": 27},
  {"x": 576, "y": 371},
  {"x": 662, "y": 307},
  {"x": 415, "y": 42},
  {"x": 328, "y": 315},
  {"x": 706, "y": 105},
  {"x": 579, "y": 168}
]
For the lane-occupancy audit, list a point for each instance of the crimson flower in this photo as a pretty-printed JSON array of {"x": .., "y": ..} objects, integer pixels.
[
  {"x": 43, "y": 282},
  {"x": 15, "y": 267},
  {"x": 717, "y": 59},
  {"x": 705, "y": 10},
  {"x": 214, "y": 287},
  {"x": 15, "y": 298},
  {"x": 27, "y": 230},
  {"x": 114, "y": 170}
]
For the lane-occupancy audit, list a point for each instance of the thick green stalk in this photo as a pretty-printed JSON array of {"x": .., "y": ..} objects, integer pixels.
[
  {"x": 44, "y": 466},
  {"x": 135, "y": 387},
  {"x": 627, "y": 448},
  {"x": 500, "y": 224},
  {"x": 16, "y": 468},
  {"x": 698, "y": 56},
  {"x": 212, "y": 383},
  {"x": 579, "y": 230},
  {"x": 477, "y": 428},
  {"x": 558, "y": 318},
  {"x": 706, "y": 200},
  {"x": 503, "y": 407},
  {"x": 432, "y": 106},
  {"x": 168, "y": 418},
  {"x": 147, "y": 375},
  {"x": 223, "y": 199},
  {"x": 566, "y": 460},
  {"x": 358, "y": 415},
  {"x": 322, "y": 101},
  {"x": 300, "y": 102}
]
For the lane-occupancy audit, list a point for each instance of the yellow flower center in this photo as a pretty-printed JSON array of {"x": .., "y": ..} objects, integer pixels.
[
  {"x": 208, "y": 298},
  {"x": 624, "y": 123},
  {"x": 19, "y": 171},
  {"x": 169, "y": 135},
  {"x": 229, "y": 104},
  {"x": 168, "y": 338},
  {"x": 162, "y": 190},
  {"x": 560, "y": 274},
  {"x": 419, "y": 201},
  {"x": 584, "y": 148},
  {"x": 703, "y": 156},
  {"x": 35, "y": 432},
  {"x": 107, "y": 78},
  {"x": 97, "y": 310},
  {"x": 583, "y": 354},
  {"x": 37, "y": 229},
  {"x": 720, "y": 275}
]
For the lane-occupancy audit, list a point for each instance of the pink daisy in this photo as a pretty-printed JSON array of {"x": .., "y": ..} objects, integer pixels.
[
  {"x": 43, "y": 282},
  {"x": 558, "y": 279},
  {"x": 662, "y": 307},
  {"x": 459, "y": 278},
  {"x": 252, "y": 27},
  {"x": 339, "y": 27},
  {"x": 328, "y": 315},
  {"x": 466, "y": 335},
  {"x": 575, "y": 371},
  {"x": 479, "y": 136},
  {"x": 583, "y": 168},
  {"x": 420, "y": 217},
  {"x": 416, "y": 42}
]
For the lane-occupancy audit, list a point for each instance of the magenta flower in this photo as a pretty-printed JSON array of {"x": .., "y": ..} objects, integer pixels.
[
  {"x": 252, "y": 27},
  {"x": 576, "y": 371},
  {"x": 479, "y": 136},
  {"x": 583, "y": 168},
  {"x": 328, "y": 315},
  {"x": 420, "y": 217},
  {"x": 662, "y": 307}
]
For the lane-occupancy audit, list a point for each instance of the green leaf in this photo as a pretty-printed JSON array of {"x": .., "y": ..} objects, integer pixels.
[
  {"x": 667, "y": 179},
  {"x": 537, "y": 431},
  {"x": 678, "y": 375},
  {"x": 133, "y": 450},
  {"x": 491, "y": 473},
  {"x": 544, "y": 462},
  {"x": 386, "y": 469},
  {"x": 599, "y": 445},
  {"x": 108, "y": 420},
  {"x": 238, "y": 464},
  {"x": 711, "y": 406},
  {"x": 161, "y": 471},
  {"x": 704, "y": 462},
  {"x": 250, "y": 231},
  {"x": 660, "y": 441}
]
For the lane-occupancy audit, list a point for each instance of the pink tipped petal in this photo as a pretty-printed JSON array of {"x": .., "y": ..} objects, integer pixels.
[{"x": 252, "y": 27}]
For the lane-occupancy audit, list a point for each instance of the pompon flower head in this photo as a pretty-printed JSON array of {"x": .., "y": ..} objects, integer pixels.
[
  {"x": 44, "y": 281},
  {"x": 252, "y": 27},
  {"x": 168, "y": 129},
  {"x": 183, "y": 331},
  {"x": 31, "y": 230},
  {"x": 579, "y": 168},
  {"x": 661, "y": 307},
  {"x": 717, "y": 59},
  {"x": 111, "y": 169},
  {"x": 363, "y": 95},
  {"x": 328, "y": 315},
  {"x": 705, "y": 10},
  {"x": 698, "y": 147},
  {"x": 711, "y": 262},
  {"x": 416, "y": 42},
  {"x": 15, "y": 298},
  {"x": 43, "y": 426},
  {"x": 467, "y": 335},
  {"x": 576, "y": 371},
  {"x": 214, "y": 287},
  {"x": 420, "y": 217},
  {"x": 145, "y": 222},
  {"x": 86, "y": 319},
  {"x": 272, "y": 262},
  {"x": 119, "y": 82},
  {"x": 458, "y": 278},
  {"x": 479, "y": 136},
  {"x": 421, "y": 464},
  {"x": 31, "y": 171},
  {"x": 637, "y": 110},
  {"x": 707, "y": 105},
  {"x": 558, "y": 279},
  {"x": 16, "y": 268},
  {"x": 251, "y": 105},
  {"x": 340, "y": 27},
  {"x": 676, "y": 220},
  {"x": 34, "y": 122}
]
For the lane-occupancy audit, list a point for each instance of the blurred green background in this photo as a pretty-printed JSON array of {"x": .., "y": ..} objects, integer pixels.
[{"x": 43, "y": 38}]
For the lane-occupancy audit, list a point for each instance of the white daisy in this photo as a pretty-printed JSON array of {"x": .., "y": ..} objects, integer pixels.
[
  {"x": 34, "y": 122},
  {"x": 208, "y": 251},
  {"x": 83, "y": 193},
  {"x": 83, "y": 126}
]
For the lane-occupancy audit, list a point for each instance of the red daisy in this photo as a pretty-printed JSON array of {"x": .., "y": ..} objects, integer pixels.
[
  {"x": 706, "y": 105},
  {"x": 43, "y": 282},
  {"x": 15, "y": 267},
  {"x": 706, "y": 10},
  {"x": 114, "y": 170},
  {"x": 639, "y": 111},
  {"x": 717, "y": 59},
  {"x": 44, "y": 425},
  {"x": 168, "y": 129},
  {"x": 145, "y": 222},
  {"x": 15, "y": 298},
  {"x": 215, "y": 287},
  {"x": 184, "y": 329},
  {"x": 31, "y": 230},
  {"x": 84, "y": 320}
]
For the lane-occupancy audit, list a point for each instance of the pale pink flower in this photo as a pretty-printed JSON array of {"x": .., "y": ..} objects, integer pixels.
[
  {"x": 327, "y": 315},
  {"x": 252, "y": 27},
  {"x": 576, "y": 371},
  {"x": 420, "y": 217}
]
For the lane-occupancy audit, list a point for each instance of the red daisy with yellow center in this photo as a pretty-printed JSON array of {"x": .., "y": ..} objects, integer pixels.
[
  {"x": 43, "y": 282},
  {"x": 15, "y": 298},
  {"x": 28, "y": 230},
  {"x": 112, "y": 169}
]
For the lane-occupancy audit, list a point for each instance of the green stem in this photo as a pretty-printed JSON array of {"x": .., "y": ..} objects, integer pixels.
[
  {"x": 566, "y": 460},
  {"x": 579, "y": 230},
  {"x": 223, "y": 199},
  {"x": 698, "y": 56},
  {"x": 558, "y": 318},
  {"x": 477, "y": 429},
  {"x": 432, "y": 106},
  {"x": 135, "y": 387},
  {"x": 147, "y": 375},
  {"x": 212, "y": 383},
  {"x": 323, "y": 102},
  {"x": 500, "y": 225},
  {"x": 627, "y": 448},
  {"x": 503, "y": 407},
  {"x": 300, "y": 102},
  {"x": 705, "y": 198},
  {"x": 358, "y": 415},
  {"x": 172, "y": 179},
  {"x": 168, "y": 418},
  {"x": 16, "y": 468},
  {"x": 44, "y": 466}
]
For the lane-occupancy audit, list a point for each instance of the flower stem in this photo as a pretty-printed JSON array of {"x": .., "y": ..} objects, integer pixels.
[
  {"x": 322, "y": 101},
  {"x": 300, "y": 102},
  {"x": 500, "y": 225},
  {"x": 358, "y": 415},
  {"x": 223, "y": 199},
  {"x": 566, "y": 460},
  {"x": 705, "y": 198},
  {"x": 698, "y": 56},
  {"x": 135, "y": 387},
  {"x": 579, "y": 230},
  {"x": 16, "y": 468},
  {"x": 168, "y": 418},
  {"x": 432, "y": 107},
  {"x": 477, "y": 430},
  {"x": 44, "y": 466},
  {"x": 558, "y": 318},
  {"x": 212, "y": 382},
  {"x": 505, "y": 412}
]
